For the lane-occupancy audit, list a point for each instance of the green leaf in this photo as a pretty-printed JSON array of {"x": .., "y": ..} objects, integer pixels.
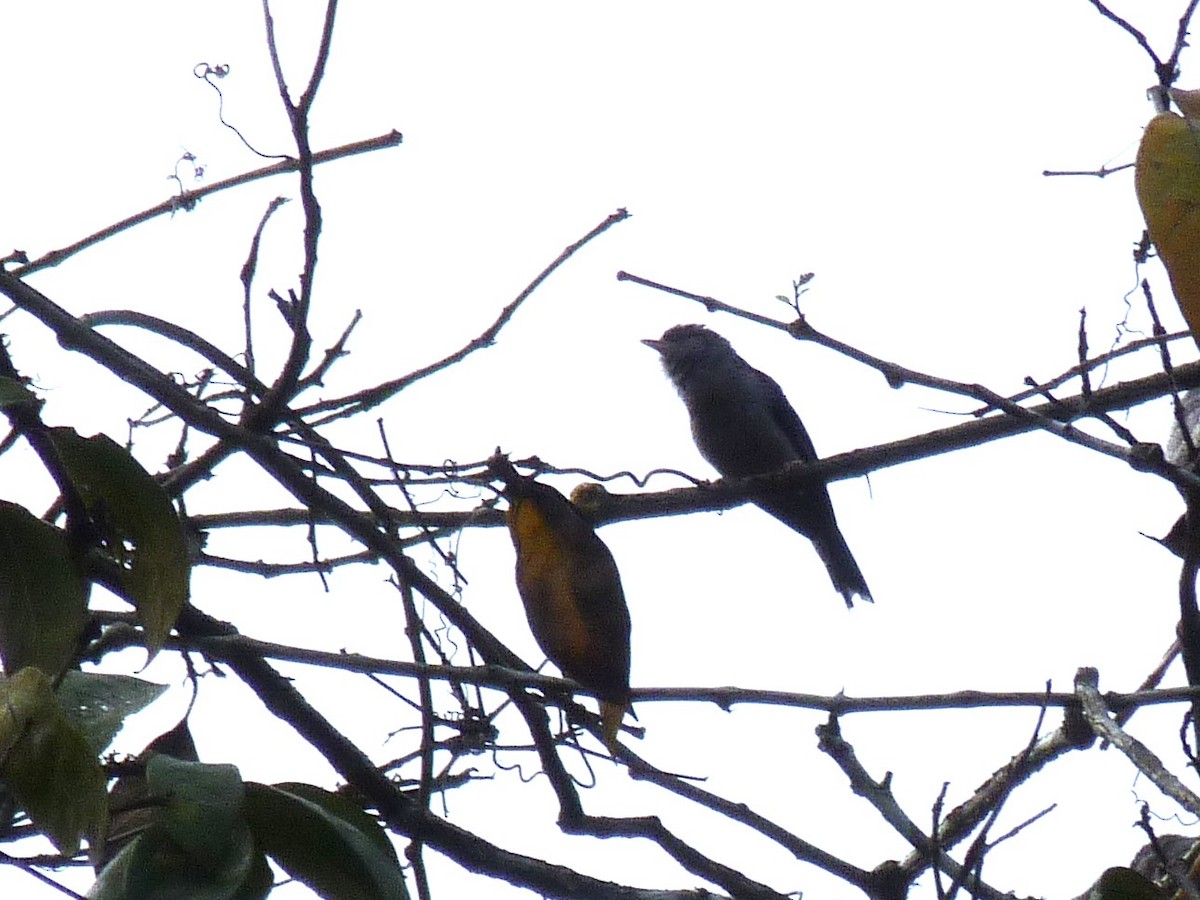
[
  {"x": 52, "y": 772},
  {"x": 205, "y": 810},
  {"x": 131, "y": 807},
  {"x": 153, "y": 867},
  {"x": 324, "y": 841},
  {"x": 1167, "y": 181},
  {"x": 43, "y": 597},
  {"x": 141, "y": 529},
  {"x": 259, "y": 880},
  {"x": 340, "y": 807},
  {"x": 14, "y": 392},
  {"x": 1120, "y": 883},
  {"x": 98, "y": 704},
  {"x": 198, "y": 845}
]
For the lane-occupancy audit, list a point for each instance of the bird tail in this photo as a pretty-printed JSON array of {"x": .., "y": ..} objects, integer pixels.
[
  {"x": 843, "y": 570},
  {"x": 611, "y": 717}
]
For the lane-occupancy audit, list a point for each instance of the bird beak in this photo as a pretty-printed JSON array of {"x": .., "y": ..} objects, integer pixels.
[{"x": 653, "y": 345}]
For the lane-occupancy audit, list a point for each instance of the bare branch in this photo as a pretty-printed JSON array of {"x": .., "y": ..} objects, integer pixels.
[
  {"x": 1144, "y": 759},
  {"x": 189, "y": 199},
  {"x": 364, "y": 400}
]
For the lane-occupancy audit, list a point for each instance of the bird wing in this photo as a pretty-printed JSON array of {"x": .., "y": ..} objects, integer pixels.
[
  {"x": 786, "y": 418},
  {"x": 600, "y": 601}
]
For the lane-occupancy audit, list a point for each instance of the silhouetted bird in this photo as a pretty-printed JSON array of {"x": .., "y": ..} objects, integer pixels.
[{"x": 743, "y": 425}]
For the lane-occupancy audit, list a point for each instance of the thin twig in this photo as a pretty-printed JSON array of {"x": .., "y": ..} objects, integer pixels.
[{"x": 371, "y": 397}]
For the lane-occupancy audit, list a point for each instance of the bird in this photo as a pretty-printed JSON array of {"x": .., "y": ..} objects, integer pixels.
[
  {"x": 743, "y": 425},
  {"x": 571, "y": 589}
]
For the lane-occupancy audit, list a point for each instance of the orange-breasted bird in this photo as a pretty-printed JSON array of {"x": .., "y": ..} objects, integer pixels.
[{"x": 569, "y": 583}]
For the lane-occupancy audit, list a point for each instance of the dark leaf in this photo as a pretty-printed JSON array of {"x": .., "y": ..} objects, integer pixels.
[
  {"x": 43, "y": 597},
  {"x": 13, "y": 392},
  {"x": 47, "y": 764},
  {"x": 142, "y": 532},
  {"x": 324, "y": 841}
]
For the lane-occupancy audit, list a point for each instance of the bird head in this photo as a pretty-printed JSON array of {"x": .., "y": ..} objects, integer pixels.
[{"x": 683, "y": 348}]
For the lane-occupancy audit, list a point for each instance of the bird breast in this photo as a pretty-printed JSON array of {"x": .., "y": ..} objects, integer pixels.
[{"x": 736, "y": 436}]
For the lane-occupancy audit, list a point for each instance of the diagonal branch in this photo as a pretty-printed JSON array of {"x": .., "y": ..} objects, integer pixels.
[
  {"x": 189, "y": 199},
  {"x": 1097, "y": 716},
  {"x": 371, "y": 397}
]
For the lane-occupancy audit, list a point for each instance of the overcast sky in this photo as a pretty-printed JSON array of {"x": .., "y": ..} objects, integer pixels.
[{"x": 895, "y": 150}]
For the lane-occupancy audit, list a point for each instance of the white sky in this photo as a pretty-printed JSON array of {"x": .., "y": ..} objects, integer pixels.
[{"x": 895, "y": 150}]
